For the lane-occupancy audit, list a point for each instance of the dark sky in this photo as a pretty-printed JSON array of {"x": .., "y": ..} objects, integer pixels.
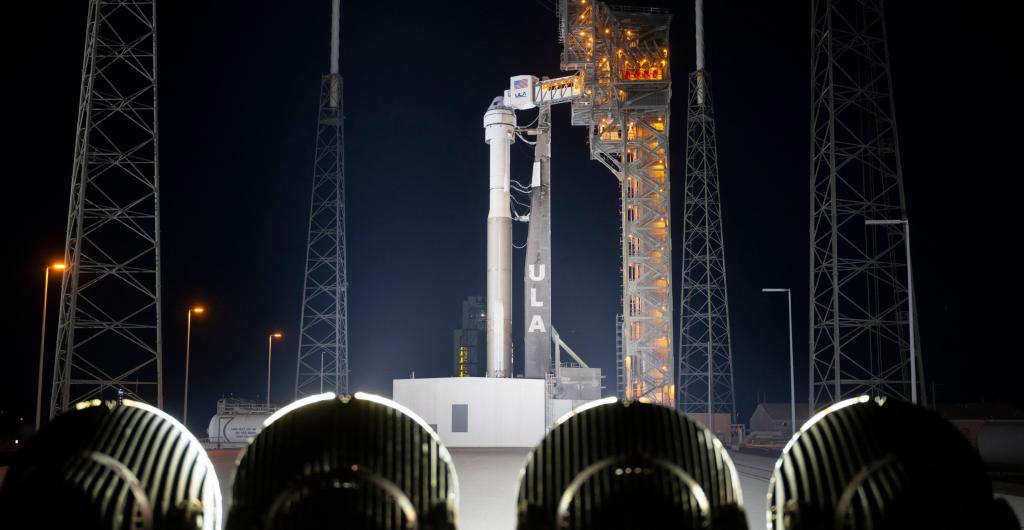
[{"x": 238, "y": 95}]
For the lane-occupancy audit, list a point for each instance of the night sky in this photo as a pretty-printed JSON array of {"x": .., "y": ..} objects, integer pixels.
[{"x": 238, "y": 83}]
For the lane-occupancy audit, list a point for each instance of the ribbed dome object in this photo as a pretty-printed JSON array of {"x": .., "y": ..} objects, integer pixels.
[
  {"x": 367, "y": 501},
  {"x": 359, "y": 462},
  {"x": 605, "y": 496},
  {"x": 117, "y": 467},
  {"x": 632, "y": 435},
  {"x": 880, "y": 464}
]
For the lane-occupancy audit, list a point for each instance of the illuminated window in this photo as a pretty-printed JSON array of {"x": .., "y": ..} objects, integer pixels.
[
  {"x": 632, "y": 188},
  {"x": 636, "y": 305},
  {"x": 634, "y": 271},
  {"x": 634, "y": 245}
]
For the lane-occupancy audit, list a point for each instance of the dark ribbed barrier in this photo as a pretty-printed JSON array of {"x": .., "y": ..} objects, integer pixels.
[
  {"x": 882, "y": 464},
  {"x": 629, "y": 465},
  {"x": 359, "y": 462},
  {"x": 112, "y": 467}
]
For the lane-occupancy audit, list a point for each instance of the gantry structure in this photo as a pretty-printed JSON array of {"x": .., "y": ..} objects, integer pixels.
[
  {"x": 108, "y": 333},
  {"x": 622, "y": 55},
  {"x": 859, "y": 298},
  {"x": 705, "y": 346},
  {"x": 322, "y": 360}
]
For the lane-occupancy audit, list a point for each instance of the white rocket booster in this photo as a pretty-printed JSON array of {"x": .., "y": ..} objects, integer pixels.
[{"x": 499, "y": 133}]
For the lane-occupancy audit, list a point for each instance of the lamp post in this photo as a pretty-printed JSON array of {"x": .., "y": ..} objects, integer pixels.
[
  {"x": 270, "y": 353},
  {"x": 905, "y": 224},
  {"x": 188, "y": 341},
  {"x": 42, "y": 341},
  {"x": 792, "y": 385}
]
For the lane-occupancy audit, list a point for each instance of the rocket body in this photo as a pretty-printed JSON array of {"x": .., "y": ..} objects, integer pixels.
[
  {"x": 499, "y": 133},
  {"x": 537, "y": 271}
]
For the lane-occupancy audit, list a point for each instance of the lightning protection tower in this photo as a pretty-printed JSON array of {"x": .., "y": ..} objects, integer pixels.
[
  {"x": 859, "y": 300},
  {"x": 705, "y": 351},
  {"x": 322, "y": 363},
  {"x": 109, "y": 325}
]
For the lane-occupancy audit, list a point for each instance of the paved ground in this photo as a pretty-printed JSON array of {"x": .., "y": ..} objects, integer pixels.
[
  {"x": 224, "y": 465},
  {"x": 488, "y": 485},
  {"x": 754, "y": 471}
]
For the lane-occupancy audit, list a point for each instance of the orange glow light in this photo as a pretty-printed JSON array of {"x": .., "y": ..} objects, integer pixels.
[{"x": 58, "y": 266}]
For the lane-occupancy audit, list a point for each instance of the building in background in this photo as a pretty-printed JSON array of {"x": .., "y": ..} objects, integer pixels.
[
  {"x": 469, "y": 345},
  {"x": 986, "y": 422},
  {"x": 774, "y": 420}
]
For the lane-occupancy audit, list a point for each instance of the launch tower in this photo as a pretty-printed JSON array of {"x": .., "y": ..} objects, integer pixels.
[{"x": 622, "y": 55}]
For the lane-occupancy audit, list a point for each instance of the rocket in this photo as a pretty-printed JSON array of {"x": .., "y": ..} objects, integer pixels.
[
  {"x": 499, "y": 133},
  {"x": 537, "y": 329}
]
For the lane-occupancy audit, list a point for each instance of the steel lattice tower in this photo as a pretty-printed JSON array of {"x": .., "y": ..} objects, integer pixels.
[
  {"x": 322, "y": 361},
  {"x": 859, "y": 340},
  {"x": 623, "y": 55},
  {"x": 109, "y": 326},
  {"x": 705, "y": 350}
]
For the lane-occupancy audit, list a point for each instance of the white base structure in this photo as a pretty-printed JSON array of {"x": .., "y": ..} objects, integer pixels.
[
  {"x": 489, "y": 425},
  {"x": 478, "y": 412}
]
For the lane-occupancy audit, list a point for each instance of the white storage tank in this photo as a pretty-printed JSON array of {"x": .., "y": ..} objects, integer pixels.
[
  {"x": 234, "y": 430},
  {"x": 237, "y": 420}
]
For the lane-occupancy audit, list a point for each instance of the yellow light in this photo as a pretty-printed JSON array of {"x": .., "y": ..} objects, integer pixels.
[
  {"x": 277, "y": 335},
  {"x": 86, "y": 404},
  {"x": 198, "y": 309},
  {"x": 58, "y": 266}
]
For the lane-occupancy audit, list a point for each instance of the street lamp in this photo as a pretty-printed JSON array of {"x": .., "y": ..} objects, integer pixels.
[
  {"x": 792, "y": 385},
  {"x": 270, "y": 353},
  {"x": 905, "y": 224},
  {"x": 188, "y": 341},
  {"x": 42, "y": 340}
]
